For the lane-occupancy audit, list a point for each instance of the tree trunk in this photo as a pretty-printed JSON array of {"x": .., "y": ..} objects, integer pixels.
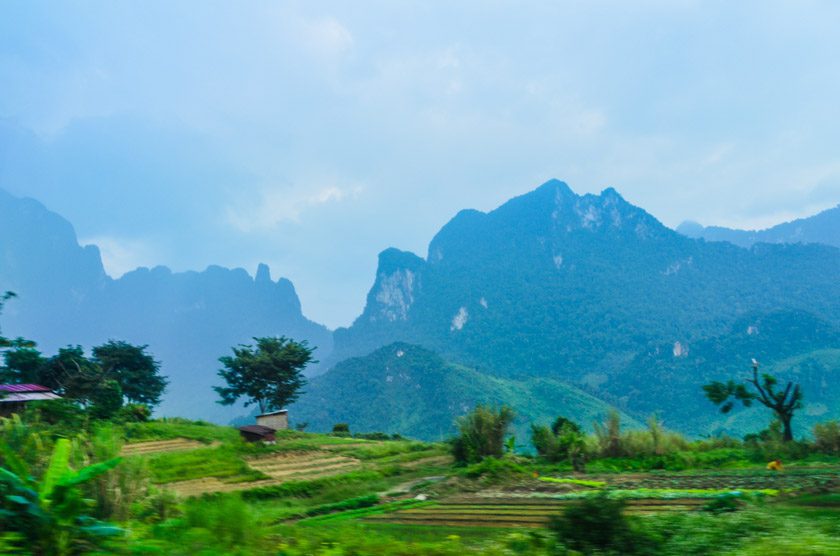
[{"x": 787, "y": 434}]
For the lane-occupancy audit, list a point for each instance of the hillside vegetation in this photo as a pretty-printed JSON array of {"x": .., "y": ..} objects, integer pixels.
[
  {"x": 182, "y": 487},
  {"x": 409, "y": 390}
]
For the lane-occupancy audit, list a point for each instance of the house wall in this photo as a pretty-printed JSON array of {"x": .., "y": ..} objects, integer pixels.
[{"x": 277, "y": 422}]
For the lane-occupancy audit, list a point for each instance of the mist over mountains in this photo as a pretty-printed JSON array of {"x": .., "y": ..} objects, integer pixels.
[
  {"x": 580, "y": 288},
  {"x": 555, "y": 302},
  {"x": 188, "y": 319},
  {"x": 820, "y": 228}
]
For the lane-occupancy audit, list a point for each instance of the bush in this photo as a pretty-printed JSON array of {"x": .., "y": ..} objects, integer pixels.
[
  {"x": 134, "y": 413},
  {"x": 494, "y": 468},
  {"x": 827, "y": 437},
  {"x": 598, "y": 525},
  {"x": 481, "y": 434},
  {"x": 341, "y": 429},
  {"x": 563, "y": 442},
  {"x": 608, "y": 436}
]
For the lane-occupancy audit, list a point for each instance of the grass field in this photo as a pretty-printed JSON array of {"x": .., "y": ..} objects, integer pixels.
[{"x": 328, "y": 495}]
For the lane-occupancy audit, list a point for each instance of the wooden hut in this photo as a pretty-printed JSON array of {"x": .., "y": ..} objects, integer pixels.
[{"x": 257, "y": 433}]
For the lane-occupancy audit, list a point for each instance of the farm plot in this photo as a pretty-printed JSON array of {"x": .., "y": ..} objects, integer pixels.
[
  {"x": 304, "y": 465},
  {"x": 279, "y": 468},
  {"x": 513, "y": 512},
  {"x": 787, "y": 480},
  {"x": 160, "y": 446}
]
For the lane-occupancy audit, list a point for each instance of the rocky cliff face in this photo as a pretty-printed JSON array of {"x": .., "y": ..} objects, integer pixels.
[
  {"x": 188, "y": 319},
  {"x": 575, "y": 287}
]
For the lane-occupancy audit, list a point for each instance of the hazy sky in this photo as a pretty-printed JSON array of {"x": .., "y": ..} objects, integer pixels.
[{"x": 312, "y": 135}]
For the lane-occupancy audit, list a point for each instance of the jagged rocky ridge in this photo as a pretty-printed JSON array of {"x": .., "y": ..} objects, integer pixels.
[
  {"x": 188, "y": 319},
  {"x": 576, "y": 288}
]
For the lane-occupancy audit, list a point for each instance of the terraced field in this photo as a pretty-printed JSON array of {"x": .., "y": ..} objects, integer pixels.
[
  {"x": 304, "y": 465},
  {"x": 281, "y": 467},
  {"x": 513, "y": 512},
  {"x": 160, "y": 446}
]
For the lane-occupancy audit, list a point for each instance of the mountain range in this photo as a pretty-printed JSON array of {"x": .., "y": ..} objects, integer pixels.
[
  {"x": 188, "y": 319},
  {"x": 556, "y": 303},
  {"x": 581, "y": 288},
  {"x": 820, "y": 228}
]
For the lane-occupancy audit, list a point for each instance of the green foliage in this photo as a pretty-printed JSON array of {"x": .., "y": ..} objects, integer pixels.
[
  {"x": 270, "y": 375},
  {"x": 106, "y": 400},
  {"x": 215, "y": 525},
  {"x": 349, "y": 504},
  {"x": 222, "y": 462},
  {"x": 608, "y": 436},
  {"x": 51, "y": 515},
  {"x": 481, "y": 433},
  {"x": 117, "y": 371},
  {"x": 495, "y": 469},
  {"x": 563, "y": 442},
  {"x": 827, "y": 437},
  {"x": 171, "y": 428},
  {"x": 136, "y": 372},
  {"x": 599, "y": 525},
  {"x": 726, "y": 503},
  {"x": 409, "y": 390},
  {"x": 341, "y": 429},
  {"x": 134, "y": 413},
  {"x": 64, "y": 416}
]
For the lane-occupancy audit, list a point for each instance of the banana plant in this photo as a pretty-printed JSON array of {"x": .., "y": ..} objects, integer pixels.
[{"x": 51, "y": 514}]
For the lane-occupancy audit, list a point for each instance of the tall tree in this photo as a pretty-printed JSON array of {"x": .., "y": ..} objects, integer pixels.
[
  {"x": 23, "y": 365},
  {"x": 136, "y": 372},
  {"x": 270, "y": 375},
  {"x": 783, "y": 403}
]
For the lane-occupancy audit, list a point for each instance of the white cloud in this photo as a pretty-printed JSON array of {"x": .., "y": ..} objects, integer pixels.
[
  {"x": 278, "y": 205},
  {"x": 326, "y": 37},
  {"x": 121, "y": 255}
]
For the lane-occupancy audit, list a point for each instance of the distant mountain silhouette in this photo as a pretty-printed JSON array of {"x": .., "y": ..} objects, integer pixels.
[
  {"x": 821, "y": 228},
  {"x": 188, "y": 319},
  {"x": 555, "y": 302}
]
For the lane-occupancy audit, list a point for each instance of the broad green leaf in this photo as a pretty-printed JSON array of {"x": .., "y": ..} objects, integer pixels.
[
  {"x": 11, "y": 478},
  {"x": 58, "y": 468},
  {"x": 13, "y": 462},
  {"x": 89, "y": 472}
]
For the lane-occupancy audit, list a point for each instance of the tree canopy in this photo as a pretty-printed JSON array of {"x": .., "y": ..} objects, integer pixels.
[
  {"x": 117, "y": 372},
  {"x": 136, "y": 372},
  {"x": 270, "y": 374}
]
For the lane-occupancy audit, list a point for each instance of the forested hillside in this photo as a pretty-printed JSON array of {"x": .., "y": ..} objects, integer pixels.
[
  {"x": 405, "y": 389},
  {"x": 581, "y": 288}
]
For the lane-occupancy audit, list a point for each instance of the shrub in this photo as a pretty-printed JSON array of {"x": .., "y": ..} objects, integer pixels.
[
  {"x": 564, "y": 441},
  {"x": 341, "y": 429},
  {"x": 827, "y": 437},
  {"x": 598, "y": 525},
  {"x": 608, "y": 435},
  {"x": 481, "y": 434},
  {"x": 134, "y": 413},
  {"x": 494, "y": 468}
]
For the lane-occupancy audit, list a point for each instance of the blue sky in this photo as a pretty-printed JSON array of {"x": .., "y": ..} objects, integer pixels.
[{"x": 311, "y": 136}]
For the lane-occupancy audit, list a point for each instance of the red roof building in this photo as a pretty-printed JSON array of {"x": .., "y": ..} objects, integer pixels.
[{"x": 13, "y": 397}]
